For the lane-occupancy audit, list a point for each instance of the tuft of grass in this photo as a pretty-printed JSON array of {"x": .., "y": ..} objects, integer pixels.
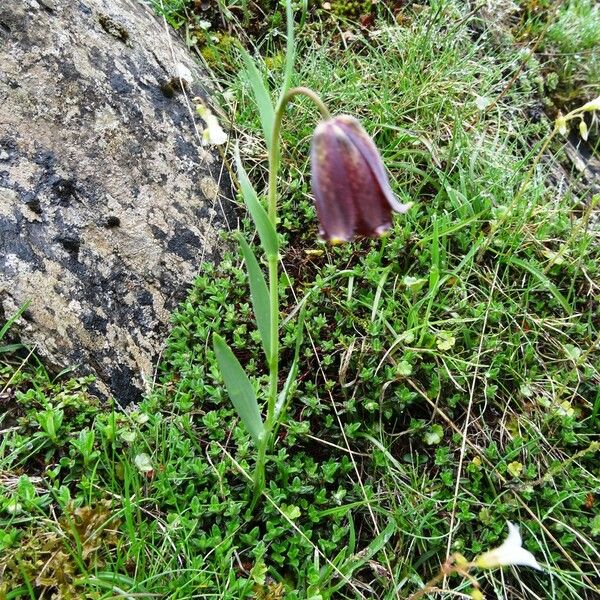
[
  {"x": 575, "y": 41},
  {"x": 448, "y": 379},
  {"x": 568, "y": 35}
]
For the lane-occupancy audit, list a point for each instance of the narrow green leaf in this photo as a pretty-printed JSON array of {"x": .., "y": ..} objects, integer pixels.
[
  {"x": 259, "y": 293},
  {"x": 261, "y": 96},
  {"x": 596, "y": 409},
  {"x": 239, "y": 388},
  {"x": 8, "y": 348},
  {"x": 12, "y": 319},
  {"x": 434, "y": 278},
  {"x": 378, "y": 543},
  {"x": 266, "y": 231},
  {"x": 358, "y": 560},
  {"x": 291, "y": 378},
  {"x": 459, "y": 202},
  {"x": 108, "y": 580},
  {"x": 513, "y": 260},
  {"x": 351, "y": 534},
  {"x": 434, "y": 272},
  {"x": 290, "y": 50}
]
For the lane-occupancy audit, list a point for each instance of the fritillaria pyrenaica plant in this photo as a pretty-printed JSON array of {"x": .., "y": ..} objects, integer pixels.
[{"x": 352, "y": 196}]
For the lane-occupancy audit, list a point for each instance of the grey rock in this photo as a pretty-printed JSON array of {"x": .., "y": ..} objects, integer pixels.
[{"x": 108, "y": 201}]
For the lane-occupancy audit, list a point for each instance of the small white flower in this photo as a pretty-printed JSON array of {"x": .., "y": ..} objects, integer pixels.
[
  {"x": 511, "y": 552},
  {"x": 592, "y": 104},
  {"x": 182, "y": 72},
  {"x": 213, "y": 133},
  {"x": 583, "y": 130}
]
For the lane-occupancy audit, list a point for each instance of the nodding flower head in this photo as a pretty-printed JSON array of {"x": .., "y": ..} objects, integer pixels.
[
  {"x": 510, "y": 552},
  {"x": 349, "y": 182}
]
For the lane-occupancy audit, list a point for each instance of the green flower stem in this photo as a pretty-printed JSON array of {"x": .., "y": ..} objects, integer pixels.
[
  {"x": 275, "y": 153},
  {"x": 274, "y": 163}
]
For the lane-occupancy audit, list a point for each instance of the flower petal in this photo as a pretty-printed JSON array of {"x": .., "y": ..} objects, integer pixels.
[
  {"x": 510, "y": 552},
  {"x": 514, "y": 539},
  {"x": 592, "y": 105},
  {"x": 525, "y": 558},
  {"x": 365, "y": 145},
  {"x": 332, "y": 193},
  {"x": 373, "y": 213}
]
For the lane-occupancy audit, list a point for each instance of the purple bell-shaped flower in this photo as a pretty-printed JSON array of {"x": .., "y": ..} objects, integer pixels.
[{"x": 350, "y": 185}]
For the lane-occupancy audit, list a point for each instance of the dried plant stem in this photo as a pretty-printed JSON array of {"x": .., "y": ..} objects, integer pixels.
[
  {"x": 446, "y": 569},
  {"x": 451, "y": 566}
]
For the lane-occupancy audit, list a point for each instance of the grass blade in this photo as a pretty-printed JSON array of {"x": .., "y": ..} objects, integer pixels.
[
  {"x": 291, "y": 378},
  {"x": 10, "y": 348},
  {"x": 266, "y": 231},
  {"x": 596, "y": 408},
  {"x": 517, "y": 262},
  {"x": 259, "y": 293},
  {"x": 12, "y": 319},
  {"x": 239, "y": 388},
  {"x": 358, "y": 560}
]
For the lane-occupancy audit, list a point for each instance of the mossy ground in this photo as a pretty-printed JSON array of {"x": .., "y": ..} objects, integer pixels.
[{"x": 449, "y": 376}]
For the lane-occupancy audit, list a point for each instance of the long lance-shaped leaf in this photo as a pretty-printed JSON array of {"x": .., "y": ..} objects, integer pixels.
[
  {"x": 266, "y": 231},
  {"x": 239, "y": 388},
  {"x": 259, "y": 293},
  {"x": 261, "y": 96}
]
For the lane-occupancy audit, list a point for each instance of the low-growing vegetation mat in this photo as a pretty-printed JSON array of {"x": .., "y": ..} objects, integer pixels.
[{"x": 449, "y": 374}]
